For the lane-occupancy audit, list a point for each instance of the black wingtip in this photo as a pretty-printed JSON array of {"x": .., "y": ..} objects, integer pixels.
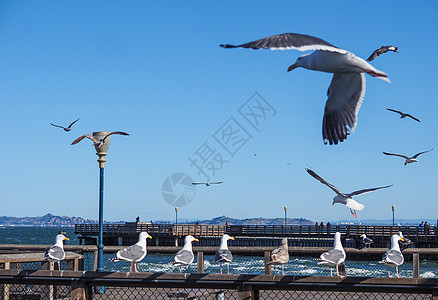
[{"x": 227, "y": 46}]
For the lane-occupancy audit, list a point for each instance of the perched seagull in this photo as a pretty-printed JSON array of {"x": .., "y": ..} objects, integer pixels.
[
  {"x": 393, "y": 257},
  {"x": 207, "y": 183},
  {"x": 409, "y": 160},
  {"x": 223, "y": 255},
  {"x": 185, "y": 256},
  {"x": 366, "y": 240},
  {"x": 334, "y": 257},
  {"x": 134, "y": 253},
  {"x": 346, "y": 199},
  {"x": 280, "y": 256},
  {"x": 347, "y": 89},
  {"x": 56, "y": 252},
  {"x": 65, "y": 128},
  {"x": 403, "y": 115},
  {"x": 382, "y": 50},
  {"x": 97, "y": 143}
]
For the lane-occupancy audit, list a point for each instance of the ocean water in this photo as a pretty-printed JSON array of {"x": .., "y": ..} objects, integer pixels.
[{"x": 300, "y": 266}]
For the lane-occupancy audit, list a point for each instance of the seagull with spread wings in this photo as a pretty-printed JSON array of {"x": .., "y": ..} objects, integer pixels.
[
  {"x": 347, "y": 89},
  {"x": 404, "y": 115},
  {"x": 408, "y": 160},
  {"x": 67, "y": 129},
  {"x": 346, "y": 199},
  {"x": 97, "y": 143},
  {"x": 207, "y": 183},
  {"x": 382, "y": 50}
]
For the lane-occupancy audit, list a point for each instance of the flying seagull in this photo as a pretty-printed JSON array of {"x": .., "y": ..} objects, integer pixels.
[
  {"x": 185, "y": 256},
  {"x": 280, "y": 256},
  {"x": 97, "y": 143},
  {"x": 223, "y": 255},
  {"x": 207, "y": 183},
  {"x": 366, "y": 240},
  {"x": 409, "y": 160},
  {"x": 134, "y": 253},
  {"x": 403, "y": 115},
  {"x": 347, "y": 89},
  {"x": 56, "y": 252},
  {"x": 334, "y": 257},
  {"x": 381, "y": 51},
  {"x": 346, "y": 199},
  {"x": 65, "y": 128},
  {"x": 393, "y": 257}
]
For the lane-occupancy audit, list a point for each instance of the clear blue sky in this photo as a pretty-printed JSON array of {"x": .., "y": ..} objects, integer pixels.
[{"x": 155, "y": 70}]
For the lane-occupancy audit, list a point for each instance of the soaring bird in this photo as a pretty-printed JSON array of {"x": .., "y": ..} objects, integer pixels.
[
  {"x": 97, "y": 143},
  {"x": 403, "y": 115},
  {"x": 334, "y": 257},
  {"x": 65, "y": 128},
  {"x": 393, "y": 257},
  {"x": 280, "y": 256},
  {"x": 381, "y": 51},
  {"x": 366, "y": 241},
  {"x": 408, "y": 160},
  {"x": 56, "y": 252},
  {"x": 185, "y": 256},
  {"x": 134, "y": 253},
  {"x": 207, "y": 183},
  {"x": 347, "y": 89},
  {"x": 346, "y": 199},
  {"x": 223, "y": 255}
]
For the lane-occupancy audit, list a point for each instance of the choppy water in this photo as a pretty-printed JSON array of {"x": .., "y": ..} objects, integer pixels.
[{"x": 305, "y": 266}]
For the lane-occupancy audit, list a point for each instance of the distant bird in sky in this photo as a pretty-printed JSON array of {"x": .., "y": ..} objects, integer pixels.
[
  {"x": 393, "y": 257},
  {"x": 346, "y": 199},
  {"x": 366, "y": 241},
  {"x": 381, "y": 51},
  {"x": 403, "y": 115},
  {"x": 207, "y": 183},
  {"x": 97, "y": 143},
  {"x": 409, "y": 160},
  {"x": 65, "y": 128},
  {"x": 56, "y": 252},
  {"x": 134, "y": 253},
  {"x": 223, "y": 255},
  {"x": 185, "y": 256},
  {"x": 280, "y": 256},
  {"x": 347, "y": 89},
  {"x": 334, "y": 257}
]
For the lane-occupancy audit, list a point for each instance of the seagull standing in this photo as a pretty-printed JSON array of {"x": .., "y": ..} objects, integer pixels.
[
  {"x": 56, "y": 252},
  {"x": 393, "y": 257},
  {"x": 366, "y": 240},
  {"x": 280, "y": 256},
  {"x": 347, "y": 89},
  {"x": 223, "y": 255},
  {"x": 403, "y": 115},
  {"x": 207, "y": 183},
  {"x": 97, "y": 143},
  {"x": 65, "y": 128},
  {"x": 334, "y": 257},
  {"x": 409, "y": 160},
  {"x": 185, "y": 256},
  {"x": 134, "y": 253},
  {"x": 346, "y": 199},
  {"x": 382, "y": 50}
]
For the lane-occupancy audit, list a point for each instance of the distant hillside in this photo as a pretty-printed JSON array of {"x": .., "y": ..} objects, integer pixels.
[
  {"x": 250, "y": 221},
  {"x": 46, "y": 220}
]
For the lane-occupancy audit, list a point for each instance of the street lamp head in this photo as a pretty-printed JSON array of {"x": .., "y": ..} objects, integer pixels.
[
  {"x": 393, "y": 208},
  {"x": 176, "y": 209},
  {"x": 100, "y": 136},
  {"x": 285, "y": 208}
]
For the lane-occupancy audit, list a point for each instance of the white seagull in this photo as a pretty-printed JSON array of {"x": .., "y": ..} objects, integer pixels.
[
  {"x": 97, "y": 143},
  {"x": 380, "y": 51},
  {"x": 347, "y": 89},
  {"x": 134, "y": 253},
  {"x": 223, "y": 255},
  {"x": 408, "y": 160},
  {"x": 366, "y": 240},
  {"x": 185, "y": 256},
  {"x": 207, "y": 183},
  {"x": 56, "y": 252},
  {"x": 346, "y": 199},
  {"x": 393, "y": 257},
  {"x": 334, "y": 257},
  {"x": 65, "y": 128},
  {"x": 280, "y": 256}
]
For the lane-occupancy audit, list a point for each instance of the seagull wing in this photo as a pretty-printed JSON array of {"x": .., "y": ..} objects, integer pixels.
[
  {"x": 195, "y": 183},
  {"x": 396, "y": 111},
  {"x": 393, "y": 154},
  {"x": 345, "y": 96},
  {"x": 317, "y": 177},
  {"x": 412, "y": 117},
  {"x": 69, "y": 126},
  {"x": 378, "y": 52},
  {"x": 360, "y": 192},
  {"x": 88, "y": 136},
  {"x": 57, "y": 125},
  {"x": 288, "y": 41},
  {"x": 418, "y": 154},
  {"x": 216, "y": 182},
  {"x": 115, "y": 132}
]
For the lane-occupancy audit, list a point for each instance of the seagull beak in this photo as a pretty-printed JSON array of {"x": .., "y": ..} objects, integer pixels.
[
  {"x": 361, "y": 236},
  {"x": 292, "y": 67},
  {"x": 196, "y": 240},
  {"x": 67, "y": 239},
  {"x": 231, "y": 238},
  {"x": 402, "y": 239},
  {"x": 149, "y": 237}
]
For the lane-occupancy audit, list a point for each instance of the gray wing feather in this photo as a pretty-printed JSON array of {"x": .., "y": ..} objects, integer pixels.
[
  {"x": 333, "y": 256},
  {"x": 184, "y": 257},
  {"x": 418, "y": 154},
  {"x": 131, "y": 253},
  {"x": 393, "y": 257},
  {"x": 317, "y": 177},
  {"x": 54, "y": 252},
  {"x": 360, "y": 192},
  {"x": 223, "y": 255}
]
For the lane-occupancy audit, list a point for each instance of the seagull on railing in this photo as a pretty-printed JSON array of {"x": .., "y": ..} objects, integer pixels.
[
  {"x": 185, "y": 256},
  {"x": 65, "y": 128},
  {"x": 334, "y": 257},
  {"x": 56, "y": 252},
  {"x": 97, "y": 143},
  {"x": 223, "y": 254},
  {"x": 134, "y": 253},
  {"x": 280, "y": 256},
  {"x": 393, "y": 257},
  {"x": 366, "y": 240}
]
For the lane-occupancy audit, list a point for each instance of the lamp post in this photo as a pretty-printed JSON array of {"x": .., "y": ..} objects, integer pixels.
[
  {"x": 285, "y": 215},
  {"x": 176, "y": 215},
  {"x": 393, "y": 209}
]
